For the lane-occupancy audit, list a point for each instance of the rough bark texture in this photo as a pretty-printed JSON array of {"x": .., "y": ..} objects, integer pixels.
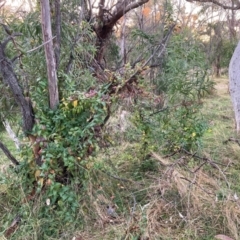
[
  {"x": 49, "y": 53},
  {"x": 10, "y": 78},
  {"x": 234, "y": 84},
  {"x": 8, "y": 154}
]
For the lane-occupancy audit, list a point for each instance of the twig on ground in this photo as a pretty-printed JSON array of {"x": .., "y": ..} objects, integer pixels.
[
  {"x": 231, "y": 139},
  {"x": 195, "y": 183},
  {"x": 116, "y": 177},
  {"x": 212, "y": 163}
]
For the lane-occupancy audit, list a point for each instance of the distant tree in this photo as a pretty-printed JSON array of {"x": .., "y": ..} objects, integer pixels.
[{"x": 234, "y": 66}]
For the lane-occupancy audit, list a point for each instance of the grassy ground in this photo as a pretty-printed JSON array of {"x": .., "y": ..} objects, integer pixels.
[{"x": 165, "y": 198}]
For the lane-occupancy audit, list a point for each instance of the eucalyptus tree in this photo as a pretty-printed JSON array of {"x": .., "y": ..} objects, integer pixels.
[{"x": 73, "y": 24}]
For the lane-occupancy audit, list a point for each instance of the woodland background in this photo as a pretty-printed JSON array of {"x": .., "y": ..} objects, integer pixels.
[{"x": 116, "y": 121}]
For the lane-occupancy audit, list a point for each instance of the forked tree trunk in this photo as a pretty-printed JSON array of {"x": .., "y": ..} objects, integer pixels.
[{"x": 234, "y": 84}]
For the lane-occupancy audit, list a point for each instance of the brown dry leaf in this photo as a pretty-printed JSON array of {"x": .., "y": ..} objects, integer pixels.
[
  {"x": 40, "y": 181},
  {"x": 223, "y": 237},
  {"x": 37, "y": 174}
]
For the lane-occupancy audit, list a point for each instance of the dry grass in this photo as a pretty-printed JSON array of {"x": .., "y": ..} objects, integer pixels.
[
  {"x": 181, "y": 200},
  {"x": 182, "y": 203}
]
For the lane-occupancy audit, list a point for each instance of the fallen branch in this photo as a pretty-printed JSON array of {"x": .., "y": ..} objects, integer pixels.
[
  {"x": 209, "y": 161},
  {"x": 195, "y": 183},
  {"x": 231, "y": 139},
  {"x": 213, "y": 163},
  {"x": 116, "y": 177},
  {"x": 13, "y": 227}
]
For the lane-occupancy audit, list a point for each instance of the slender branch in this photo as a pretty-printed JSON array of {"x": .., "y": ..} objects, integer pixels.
[
  {"x": 213, "y": 163},
  {"x": 116, "y": 177},
  {"x": 161, "y": 110},
  {"x": 8, "y": 154},
  {"x": 34, "y": 49},
  {"x": 218, "y": 4},
  {"x": 10, "y": 38},
  {"x": 231, "y": 139},
  {"x": 195, "y": 183}
]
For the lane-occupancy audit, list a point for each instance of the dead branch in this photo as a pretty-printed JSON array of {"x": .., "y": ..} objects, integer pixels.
[
  {"x": 231, "y": 139},
  {"x": 216, "y": 2},
  {"x": 213, "y": 163},
  {"x": 116, "y": 177},
  {"x": 209, "y": 161},
  {"x": 8, "y": 154},
  {"x": 195, "y": 183},
  {"x": 13, "y": 227}
]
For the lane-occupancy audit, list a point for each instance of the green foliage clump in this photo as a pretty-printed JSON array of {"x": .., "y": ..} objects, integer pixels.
[
  {"x": 183, "y": 81},
  {"x": 182, "y": 129},
  {"x": 184, "y": 72},
  {"x": 69, "y": 137}
]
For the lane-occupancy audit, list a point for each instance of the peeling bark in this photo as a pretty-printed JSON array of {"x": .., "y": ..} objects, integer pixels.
[{"x": 11, "y": 133}]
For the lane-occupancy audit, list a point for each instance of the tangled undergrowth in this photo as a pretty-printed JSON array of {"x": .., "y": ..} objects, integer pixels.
[{"x": 131, "y": 193}]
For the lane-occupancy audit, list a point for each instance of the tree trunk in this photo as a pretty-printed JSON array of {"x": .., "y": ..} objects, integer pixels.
[
  {"x": 49, "y": 54},
  {"x": 217, "y": 67},
  {"x": 10, "y": 78},
  {"x": 234, "y": 84},
  {"x": 123, "y": 40},
  {"x": 107, "y": 18},
  {"x": 57, "y": 32}
]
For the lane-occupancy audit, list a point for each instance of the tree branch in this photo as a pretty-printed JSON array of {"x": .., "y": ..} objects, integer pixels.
[
  {"x": 10, "y": 38},
  {"x": 104, "y": 25},
  {"x": 8, "y": 154},
  {"x": 122, "y": 7},
  {"x": 216, "y": 2},
  {"x": 7, "y": 72}
]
